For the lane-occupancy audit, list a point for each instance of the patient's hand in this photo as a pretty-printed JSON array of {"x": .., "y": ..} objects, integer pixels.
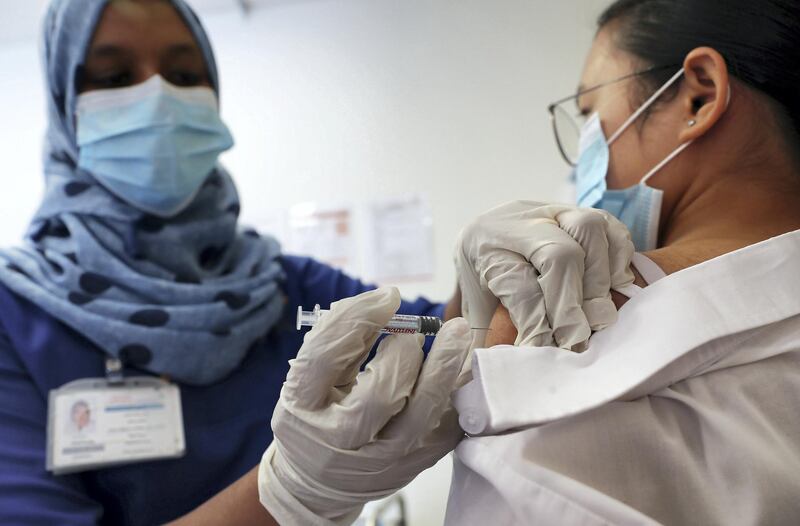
[{"x": 503, "y": 332}]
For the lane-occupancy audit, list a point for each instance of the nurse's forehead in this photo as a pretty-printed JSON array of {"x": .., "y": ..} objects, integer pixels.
[{"x": 141, "y": 24}]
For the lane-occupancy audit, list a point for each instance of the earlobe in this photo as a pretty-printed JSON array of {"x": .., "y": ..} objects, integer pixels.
[{"x": 707, "y": 92}]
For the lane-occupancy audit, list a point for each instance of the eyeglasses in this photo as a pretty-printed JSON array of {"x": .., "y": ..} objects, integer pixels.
[{"x": 568, "y": 122}]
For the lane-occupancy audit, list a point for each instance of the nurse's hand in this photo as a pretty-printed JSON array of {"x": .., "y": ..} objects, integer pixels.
[
  {"x": 552, "y": 267},
  {"x": 343, "y": 438}
]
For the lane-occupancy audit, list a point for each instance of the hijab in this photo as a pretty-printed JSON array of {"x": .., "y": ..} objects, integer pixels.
[{"x": 186, "y": 296}]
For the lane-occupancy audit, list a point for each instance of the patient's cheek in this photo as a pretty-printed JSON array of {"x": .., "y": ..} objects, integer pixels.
[{"x": 502, "y": 330}]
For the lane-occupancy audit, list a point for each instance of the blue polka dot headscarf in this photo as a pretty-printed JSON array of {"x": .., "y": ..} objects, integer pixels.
[{"x": 186, "y": 297}]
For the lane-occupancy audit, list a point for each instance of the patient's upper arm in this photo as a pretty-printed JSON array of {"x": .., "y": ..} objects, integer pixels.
[{"x": 502, "y": 331}]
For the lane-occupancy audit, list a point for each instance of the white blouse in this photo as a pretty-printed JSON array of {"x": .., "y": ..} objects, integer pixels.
[{"x": 686, "y": 411}]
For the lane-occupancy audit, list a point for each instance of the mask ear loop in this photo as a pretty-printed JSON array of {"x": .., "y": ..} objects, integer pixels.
[
  {"x": 679, "y": 149},
  {"x": 666, "y": 161},
  {"x": 649, "y": 102}
]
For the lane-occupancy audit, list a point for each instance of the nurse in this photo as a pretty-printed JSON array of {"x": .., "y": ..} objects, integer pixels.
[
  {"x": 138, "y": 306},
  {"x": 685, "y": 410},
  {"x": 135, "y": 255}
]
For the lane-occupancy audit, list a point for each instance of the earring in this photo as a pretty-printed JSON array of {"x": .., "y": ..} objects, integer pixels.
[{"x": 692, "y": 123}]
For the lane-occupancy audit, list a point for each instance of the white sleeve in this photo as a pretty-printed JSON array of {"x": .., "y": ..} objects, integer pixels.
[
  {"x": 720, "y": 448},
  {"x": 490, "y": 486}
]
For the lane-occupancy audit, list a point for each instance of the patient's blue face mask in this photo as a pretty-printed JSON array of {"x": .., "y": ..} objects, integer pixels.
[
  {"x": 638, "y": 207},
  {"x": 152, "y": 145}
]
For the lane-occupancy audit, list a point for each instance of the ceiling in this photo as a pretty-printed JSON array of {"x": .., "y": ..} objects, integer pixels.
[{"x": 22, "y": 18}]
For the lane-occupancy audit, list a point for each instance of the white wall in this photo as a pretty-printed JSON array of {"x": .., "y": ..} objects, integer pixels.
[
  {"x": 343, "y": 100},
  {"x": 22, "y": 124},
  {"x": 350, "y": 99}
]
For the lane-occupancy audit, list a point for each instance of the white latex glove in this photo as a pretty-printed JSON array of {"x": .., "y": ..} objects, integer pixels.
[
  {"x": 552, "y": 266},
  {"x": 343, "y": 438}
]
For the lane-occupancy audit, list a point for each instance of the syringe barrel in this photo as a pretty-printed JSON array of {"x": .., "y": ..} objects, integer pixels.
[
  {"x": 406, "y": 324},
  {"x": 399, "y": 324}
]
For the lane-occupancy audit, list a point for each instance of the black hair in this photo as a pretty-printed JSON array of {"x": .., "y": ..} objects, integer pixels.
[{"x": 759, "y": 40}]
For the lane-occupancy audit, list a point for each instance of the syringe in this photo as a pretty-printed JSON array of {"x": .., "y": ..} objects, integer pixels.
[{"x": 399, "y": 324}]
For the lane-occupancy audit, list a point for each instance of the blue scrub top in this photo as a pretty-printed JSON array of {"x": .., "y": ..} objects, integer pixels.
[{"x": 226, "y": 424}]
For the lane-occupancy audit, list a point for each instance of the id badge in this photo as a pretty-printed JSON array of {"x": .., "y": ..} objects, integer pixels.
[{"x": 93, "y": 423}]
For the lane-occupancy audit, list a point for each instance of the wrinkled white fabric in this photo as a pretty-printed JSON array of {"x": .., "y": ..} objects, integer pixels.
[
  {"x": 684, "y": 412},
  {"x": 551, "y": 266},
  {"x": 343, "y": 438}
]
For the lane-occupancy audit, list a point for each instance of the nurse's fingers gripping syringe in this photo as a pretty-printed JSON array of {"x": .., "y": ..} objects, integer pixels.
[{"x": 399, "y": 324}]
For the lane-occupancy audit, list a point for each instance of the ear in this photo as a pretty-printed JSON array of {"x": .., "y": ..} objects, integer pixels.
[{"x": 705, "y": 91}]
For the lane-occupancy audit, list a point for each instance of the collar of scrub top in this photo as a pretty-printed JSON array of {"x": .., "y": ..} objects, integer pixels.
[{"x": 692, "y": 322}]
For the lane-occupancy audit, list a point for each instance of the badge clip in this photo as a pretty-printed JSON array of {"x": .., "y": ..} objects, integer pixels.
[{"x": 114, "y": 371}]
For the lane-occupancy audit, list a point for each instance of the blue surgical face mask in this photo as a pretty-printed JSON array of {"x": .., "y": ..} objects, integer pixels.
[
  {"x": 638, "y": 207},
  {"x": 152, "y": 145}
]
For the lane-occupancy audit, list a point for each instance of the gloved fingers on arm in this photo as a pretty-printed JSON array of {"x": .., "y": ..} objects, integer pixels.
[
  {"x": 588, "y": 227},
  {"x": 334, "y": 350},
  {"x": 620, "y": 251},
  {"x": 380, "y": 392},
  {"x": 515, "y": 281},
  {"x": 477, "y": 303},
  {"x": 479, "y": 306},
  {"x": 560, "y": 264}
]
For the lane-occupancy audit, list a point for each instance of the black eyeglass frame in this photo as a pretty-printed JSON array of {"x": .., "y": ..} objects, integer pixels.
[{"x": 551, "y": 108}]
